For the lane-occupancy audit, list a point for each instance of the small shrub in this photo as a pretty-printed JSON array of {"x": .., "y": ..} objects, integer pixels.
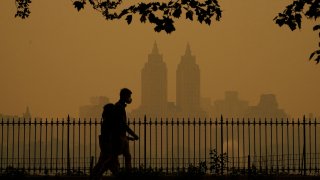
[
  {"x": 217, "y": 162},
  {"x": 197, "y": 170}
]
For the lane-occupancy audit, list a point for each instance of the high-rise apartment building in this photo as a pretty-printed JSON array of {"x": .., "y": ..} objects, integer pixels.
[
  {"x": 154, "y": 98},
  {"x": 188, "y": 85}
]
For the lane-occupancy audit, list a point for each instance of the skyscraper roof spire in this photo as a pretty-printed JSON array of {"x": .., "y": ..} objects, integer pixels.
[
  {"x": 188, "y": 50},
  {"x": 27, "y": 114},
  {"x": 155, "y": 48}
]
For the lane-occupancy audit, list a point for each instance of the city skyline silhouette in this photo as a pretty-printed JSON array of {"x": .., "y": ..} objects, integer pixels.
[
  {"x": 155, "y": 90},
  {"x": 189, "y": 103}
]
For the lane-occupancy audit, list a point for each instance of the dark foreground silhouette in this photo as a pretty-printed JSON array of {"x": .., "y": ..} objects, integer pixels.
[{"x": 113, "y": 140}]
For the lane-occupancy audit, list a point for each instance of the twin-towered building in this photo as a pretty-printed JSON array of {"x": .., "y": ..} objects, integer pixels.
[
  {"x": 189, "y": 103},
  {"x": 154, "y": 87}
]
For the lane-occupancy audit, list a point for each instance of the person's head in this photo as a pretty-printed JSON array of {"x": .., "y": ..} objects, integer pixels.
[{"x": 125, "y": 95}]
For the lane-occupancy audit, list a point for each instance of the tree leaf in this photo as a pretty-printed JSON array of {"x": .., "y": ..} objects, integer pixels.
[
  {"x": 158, "y": 28},
  {"x": 208, "y": 2},
  {"x": 317, "y": 59},
  {"x": 177, "y": 13},
  {"x": 200, "y": 18},
  {"x": 169, "y": 27},
  {"x": 143, "y": 18},
  {"x": 207, "y": 21},
  {"x": 298, "y": 20},
  {"x": 316, "y": 27},
  {"x": 292, "y": 25},
  {"x": 218, "y": 12},
  {"x": 78, "y": 5},
  {"x": 193, "y": 3},
  {"x": 280, "y": 22},
  {"x": 129, "y": 19},
  {"x": 189, "y": 15},
  {"x": 152, "y": 18},
  {"x": 298, "y": 6},
  {"x": 104, "y": 4},
  {"x": 154, "y": 8},
  {"x": 311, "y": 56},
  {"x": 314, "y": 53},
  {"x": 91, "y": 2}
]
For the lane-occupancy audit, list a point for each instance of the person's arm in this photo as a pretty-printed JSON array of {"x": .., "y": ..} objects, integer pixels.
[{"x": 136, "y": 137}]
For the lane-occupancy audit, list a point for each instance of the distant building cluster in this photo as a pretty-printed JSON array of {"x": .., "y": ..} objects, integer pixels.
[
  {"x": 25, "y": 116},
  {"x": 232, "y": 107},
  {"x": 94, "y": 109},
  {"x": 189, "y": 103}
]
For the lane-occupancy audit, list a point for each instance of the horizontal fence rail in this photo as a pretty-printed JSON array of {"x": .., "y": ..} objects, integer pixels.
[{"x": 212, "y": 146}]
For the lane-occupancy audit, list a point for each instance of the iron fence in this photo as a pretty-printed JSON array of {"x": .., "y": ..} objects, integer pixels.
[{"x": 217, "y": 146}]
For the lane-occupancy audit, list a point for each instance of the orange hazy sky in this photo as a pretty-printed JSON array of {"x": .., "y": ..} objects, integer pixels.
[{"x": 58, "y": 58}]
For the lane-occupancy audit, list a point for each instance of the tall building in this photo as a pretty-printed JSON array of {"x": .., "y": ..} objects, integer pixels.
[
  {"x": 188, "y": 85},
  {"x": 154, "y": 98},
  {"x": 27, "y": 114}
]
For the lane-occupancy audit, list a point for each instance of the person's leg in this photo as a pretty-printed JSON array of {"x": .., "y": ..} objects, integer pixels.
[
  {"x": 114, "y": 165},
  {"x": 126, "y": 154},
  {"x": 100, "y": 167},
  {"x": 104, "y": 159}
]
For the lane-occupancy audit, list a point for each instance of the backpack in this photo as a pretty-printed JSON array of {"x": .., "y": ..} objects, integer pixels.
[{"x": 108, "y": 116}]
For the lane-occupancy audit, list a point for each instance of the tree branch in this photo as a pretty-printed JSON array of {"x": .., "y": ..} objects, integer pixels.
[
  {"x": 292, "y": 17},
  {"x": 162, "y": 15}
]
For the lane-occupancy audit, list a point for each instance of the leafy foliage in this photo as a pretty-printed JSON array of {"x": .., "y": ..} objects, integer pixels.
[
  {"x": 197, "y": 170},
  {"x": 217, "y": 162},
  {"x": 161, "y": 14},
  {"x": 22, "y": 8},
  {"x": 292, "y": 17}
]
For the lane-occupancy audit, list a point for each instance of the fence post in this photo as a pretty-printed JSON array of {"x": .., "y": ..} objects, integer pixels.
[
  {"x": 1, "y": 157},
  {"x": 222, "y": 145},
  {"x": 304, "y": 146},
  {"x": 249, "y": 165},
  {"x": 68, "y": 145},
  {"x": 145, "y": 142}
]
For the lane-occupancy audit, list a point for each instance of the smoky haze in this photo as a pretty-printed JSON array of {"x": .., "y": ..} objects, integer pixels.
[{"x": 57, "y": 59}]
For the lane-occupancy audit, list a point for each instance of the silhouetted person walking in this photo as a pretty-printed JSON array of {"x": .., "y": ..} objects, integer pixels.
[
  {"x": 113, "y": 140},
  {"x": 123, "y": 128}
]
